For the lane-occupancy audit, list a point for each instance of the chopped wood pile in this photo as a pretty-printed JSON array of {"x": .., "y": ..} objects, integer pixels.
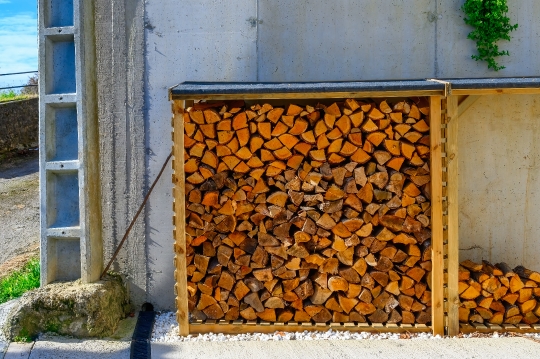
[
  {"x": 497, "y": 294},
  {"x": 309, "y": 213}
]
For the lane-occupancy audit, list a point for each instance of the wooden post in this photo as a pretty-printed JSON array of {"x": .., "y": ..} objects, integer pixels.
[
  {"x": 436, "y": 216},
  {"x": 182, "y": 314},
  {"x": 453, "y": 212}
]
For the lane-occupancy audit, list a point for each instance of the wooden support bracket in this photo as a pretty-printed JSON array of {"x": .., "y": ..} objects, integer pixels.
[{"x": 466, "y": 104}]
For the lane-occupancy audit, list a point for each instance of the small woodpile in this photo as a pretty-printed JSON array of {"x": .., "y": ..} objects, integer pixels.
[
  {"x": 497, "y": 294},
  {"x": 309, "y": 214}
]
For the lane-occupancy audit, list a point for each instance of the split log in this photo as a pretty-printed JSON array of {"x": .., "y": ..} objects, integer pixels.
[
  {"x": 497, "y": 294},
  {"x": 319, "y": 213}
]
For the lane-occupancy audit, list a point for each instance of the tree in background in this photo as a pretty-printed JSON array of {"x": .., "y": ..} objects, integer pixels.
[{"x": 32, "y": 89}]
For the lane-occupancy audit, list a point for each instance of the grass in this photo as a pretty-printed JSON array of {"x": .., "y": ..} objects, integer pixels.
[
  {"x": 19, "y": 282},
  {"x": 11, "y": 95}
]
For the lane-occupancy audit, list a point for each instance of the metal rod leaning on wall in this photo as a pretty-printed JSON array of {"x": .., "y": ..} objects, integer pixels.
[{"x": 136, "y": 216}]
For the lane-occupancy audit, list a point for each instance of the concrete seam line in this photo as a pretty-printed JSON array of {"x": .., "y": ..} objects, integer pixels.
[{"x": 136, "y": 216}]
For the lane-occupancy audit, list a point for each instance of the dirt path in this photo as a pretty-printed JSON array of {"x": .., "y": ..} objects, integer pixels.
[{"x": 19, "y": 207}]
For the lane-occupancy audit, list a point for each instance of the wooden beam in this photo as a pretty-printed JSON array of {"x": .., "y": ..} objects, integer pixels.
[
  {"x": 436, "y": 217},
  {"x": 240, "y": 327},
  {"x": 305, "y": 95},
  {"x": 182, "y": 314},
  {"x": 466, "y": 104},
  {"x": 453, "y": 212},
  {"x": 505, "y": 91}
]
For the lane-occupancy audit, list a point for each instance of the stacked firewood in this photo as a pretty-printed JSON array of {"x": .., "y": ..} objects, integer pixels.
[
  {"x": 497, "y": 294},
  {"x": 309, "y": 213}
]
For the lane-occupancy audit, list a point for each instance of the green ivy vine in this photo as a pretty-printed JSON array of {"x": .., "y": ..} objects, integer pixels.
[{"x": 488, "y": 17}]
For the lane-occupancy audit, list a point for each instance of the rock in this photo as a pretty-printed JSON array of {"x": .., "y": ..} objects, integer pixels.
[{"x": 70, "y": 308}]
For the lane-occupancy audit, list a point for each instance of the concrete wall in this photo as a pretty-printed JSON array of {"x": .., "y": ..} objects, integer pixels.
[
  {"x": 120, "y": 96},
  {"x": 19, "y": 124},
  {"x": 499, "y": 180},
  {"x": 252, "y": 40}
]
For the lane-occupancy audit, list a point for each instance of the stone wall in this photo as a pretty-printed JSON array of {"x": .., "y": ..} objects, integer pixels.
[{"x": 19, "y": 124}]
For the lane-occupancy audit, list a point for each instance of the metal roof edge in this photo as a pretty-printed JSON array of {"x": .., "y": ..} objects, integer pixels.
[{"x": 192, "y": 89}]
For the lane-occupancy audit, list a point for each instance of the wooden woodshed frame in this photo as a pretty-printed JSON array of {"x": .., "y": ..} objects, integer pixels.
[{"x": 448, "y": 100}]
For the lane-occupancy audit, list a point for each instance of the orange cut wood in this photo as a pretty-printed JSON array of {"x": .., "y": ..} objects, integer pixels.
[
  {"x": 294, "y": 110},
  {"x": 375, "y": 114},
  {"x": 333, "y": 110},
  {"x": 303, "y": 148},
  {"x": 357, "y": 118},
  {"x": 360, "y": 156},
  {"x": 322, "y": 142},
  {"x": 376, "y": 137},
  {"x": 265, "y": 130},
  {"x": 421, "y": 126},
  {"x": 344, "y": 124},
  {"x": 295, "y": 161},
  {"x": 255, "y": 143},
  {"x": 335, "y": 146},
  {"x": 243, "y": 153},
  {"x": 395, "y": 163},
  {"x": 240, "y": 121},
  {"x": 392, "y": 147},
  {"x": 397, "y": 117},
  {"x": 300, "y": 126},
  {"x": 412, "y": 136},
  {"x": 318, "y": 155},
  {"x": 308, "y": 137},
  {"x": 275, "y": 114},
  {"x": 279, "y": 129},
  {"x": 369, "y": 126},
  {"x": 334, "y": 134},
  {"x": 225, "y": 136},
  {"x": 384, "y": 107},
  {"x": 288, "y": 140},
  {"x": 267, "y": 156}
]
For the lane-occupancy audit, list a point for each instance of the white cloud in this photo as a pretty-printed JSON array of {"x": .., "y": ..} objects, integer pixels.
[
  {"x": 4, "y": 2},
  {"x": 18, "y": 47}
]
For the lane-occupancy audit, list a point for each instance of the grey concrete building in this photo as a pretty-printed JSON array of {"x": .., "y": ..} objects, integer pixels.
[{"x": 108, "y": 66}]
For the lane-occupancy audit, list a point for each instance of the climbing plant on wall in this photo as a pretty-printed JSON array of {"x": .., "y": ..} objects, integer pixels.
[{"x": 488, "y": 17}]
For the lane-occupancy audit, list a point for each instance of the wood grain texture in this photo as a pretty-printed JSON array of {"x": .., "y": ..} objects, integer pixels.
[
  {"x": 453, "y": 213},
  {"x": 465, "y": 104},
  {"x": 436, "y": 216},
  {"x": 179, "y": 218},
  {"x": 507, "y": 91},
  {"x": 241, "y": 327}
]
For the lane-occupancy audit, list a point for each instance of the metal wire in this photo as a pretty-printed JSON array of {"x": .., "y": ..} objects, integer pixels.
[
  {"x": 16, "y": 87},
  {"x": 135, "y": 218},
  {"x": 19, "y": 73}
]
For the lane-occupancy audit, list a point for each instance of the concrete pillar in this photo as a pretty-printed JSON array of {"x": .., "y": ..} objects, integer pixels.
[{"x": 71, "y": 243}]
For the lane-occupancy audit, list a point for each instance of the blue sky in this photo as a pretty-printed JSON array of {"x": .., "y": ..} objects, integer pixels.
[{"x": 18, "y": 40}]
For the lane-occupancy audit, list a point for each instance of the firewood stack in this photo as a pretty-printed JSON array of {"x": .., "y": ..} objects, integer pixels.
[
  {"x": 309, "y": 214},
  {"x": 497, "y": 294}
]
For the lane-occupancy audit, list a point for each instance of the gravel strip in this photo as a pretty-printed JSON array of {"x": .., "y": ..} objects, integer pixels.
[
  {"x": 5, "y": 308},
  {"x": 166, "y": 331}
]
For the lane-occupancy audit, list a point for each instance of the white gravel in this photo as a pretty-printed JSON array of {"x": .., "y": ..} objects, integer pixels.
[{"x": 166, "y": 331}]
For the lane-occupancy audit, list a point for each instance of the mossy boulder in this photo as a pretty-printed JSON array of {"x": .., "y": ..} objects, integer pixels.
[{"x": 70, "y": 308}]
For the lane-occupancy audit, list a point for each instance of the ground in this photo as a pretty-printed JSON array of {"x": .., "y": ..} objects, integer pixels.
[{"x": 19, "y": 210}]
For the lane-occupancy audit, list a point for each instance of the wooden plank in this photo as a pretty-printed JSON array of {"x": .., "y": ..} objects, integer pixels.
[
  {"x": 504, "y": 328},
  {"x": 436, "y": 216},
  {"x": 182, "y": 314},
  {"x": 508, "y": 91},
  {"x": 307, "y": 95},
  {"x": 465, "y": 104},
  {"x": 273, "y": 327},
  {"x": 453, "y": 212}
]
